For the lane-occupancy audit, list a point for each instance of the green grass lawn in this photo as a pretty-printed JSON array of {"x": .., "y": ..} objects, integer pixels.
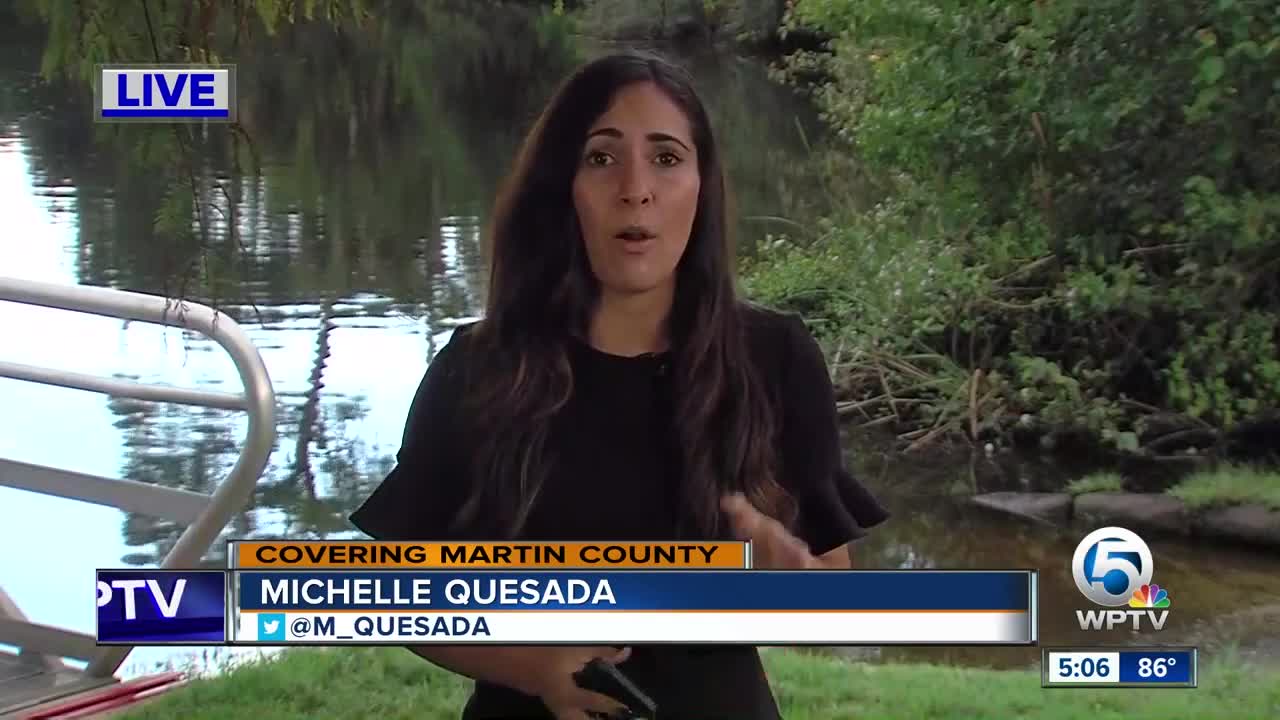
[{"x": 391, "y": 683}]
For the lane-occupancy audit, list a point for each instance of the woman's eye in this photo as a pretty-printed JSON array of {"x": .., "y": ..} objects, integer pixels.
[
  {"x": 596, "y": 157},
  {"x": 668, "y": 159}
]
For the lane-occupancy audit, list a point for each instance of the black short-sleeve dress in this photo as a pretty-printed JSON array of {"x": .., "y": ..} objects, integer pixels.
[{"x": 614, "y": 480}]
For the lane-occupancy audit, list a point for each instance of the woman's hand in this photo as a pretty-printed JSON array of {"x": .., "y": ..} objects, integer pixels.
[
  {"x": 772, "y": 546},
  {"x": 551, "y": 670}
]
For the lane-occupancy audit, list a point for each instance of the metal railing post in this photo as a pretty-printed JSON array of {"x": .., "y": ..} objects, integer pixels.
[{"x": 258, "y": 400}]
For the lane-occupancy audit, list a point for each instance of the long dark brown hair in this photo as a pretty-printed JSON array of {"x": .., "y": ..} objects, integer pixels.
[{"x": 541, "y": 293}]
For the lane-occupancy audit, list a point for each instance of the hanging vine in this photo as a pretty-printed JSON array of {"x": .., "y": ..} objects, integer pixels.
[{"x": 85, "y": 33}]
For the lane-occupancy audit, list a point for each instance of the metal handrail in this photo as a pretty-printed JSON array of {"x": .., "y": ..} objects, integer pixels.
[{"x": 207, "y": 514}]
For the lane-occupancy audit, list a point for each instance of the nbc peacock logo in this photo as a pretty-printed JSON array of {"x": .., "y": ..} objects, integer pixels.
[
  {"x": 1150, "y": 596},
  {"x": 1112, "y": 567}
]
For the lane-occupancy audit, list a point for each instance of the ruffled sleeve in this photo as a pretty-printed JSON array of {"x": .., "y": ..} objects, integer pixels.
[
  {"x": 834, "y": 506},
  {"x": 420, "y": 497}
]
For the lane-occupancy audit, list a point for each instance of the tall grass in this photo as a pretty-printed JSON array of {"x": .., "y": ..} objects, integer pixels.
[{"x": 391, "y": 683}]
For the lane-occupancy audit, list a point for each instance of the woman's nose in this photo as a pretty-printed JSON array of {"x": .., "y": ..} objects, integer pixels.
[
  {"x": 637, "y": 197},
  {"x": 636, "y": 187}
]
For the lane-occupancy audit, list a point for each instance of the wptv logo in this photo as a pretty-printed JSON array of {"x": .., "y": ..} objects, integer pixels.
[
  {"x": 1112, "y": 567},
  {"x": 157, "y": 607},
  {"x": 165, "y": 93}
]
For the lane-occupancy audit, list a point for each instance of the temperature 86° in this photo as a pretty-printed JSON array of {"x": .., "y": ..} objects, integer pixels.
[
  {"x": 1155, "y": 667},
  {"x": 1147, "y": 666}
]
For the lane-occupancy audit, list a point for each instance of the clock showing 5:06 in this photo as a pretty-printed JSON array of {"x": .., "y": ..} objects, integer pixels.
[
  {"x": 1132, "y": 667},
  {"x": 1085, "y": 667}
]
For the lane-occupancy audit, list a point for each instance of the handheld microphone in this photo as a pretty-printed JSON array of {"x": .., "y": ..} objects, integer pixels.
[{"x": 602, "y": 677}]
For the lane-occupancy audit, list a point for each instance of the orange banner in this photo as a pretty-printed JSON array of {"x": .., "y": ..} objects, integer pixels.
[{"x": 286, "y": 555}]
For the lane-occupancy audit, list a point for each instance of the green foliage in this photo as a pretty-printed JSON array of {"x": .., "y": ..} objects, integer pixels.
[
  {"x": 728, "y": 20},
  {"x": 1096, "y": 482},
  {"x": 1227, "y": 485},
  {"x": 555, "y": 27},
  {"x": 866, "y": 277},
  {"x": 1096, "y": 185},
  {"x": 1226, "y": 371}
]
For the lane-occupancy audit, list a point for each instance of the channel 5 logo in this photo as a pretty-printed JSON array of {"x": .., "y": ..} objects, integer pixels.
[{"x": 1112, "y": 567}]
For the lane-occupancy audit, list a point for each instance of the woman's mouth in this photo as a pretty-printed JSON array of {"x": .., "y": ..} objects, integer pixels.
[{"x": 636, "y": 238}]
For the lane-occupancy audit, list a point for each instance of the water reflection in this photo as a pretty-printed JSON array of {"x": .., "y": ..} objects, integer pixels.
[
  {"x": 1220, "y": 595},
  {"x": 343, "y": 233}
]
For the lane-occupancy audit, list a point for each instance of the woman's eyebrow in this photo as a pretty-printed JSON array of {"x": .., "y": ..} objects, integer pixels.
[{"x": 652, "y": 137}]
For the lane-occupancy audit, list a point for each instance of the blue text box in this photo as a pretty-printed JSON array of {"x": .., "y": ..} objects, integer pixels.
[
  {"x": 142, "y": 607},
  {"x": 1148, "y": 666},
  {"x": 938, "y": 591}
]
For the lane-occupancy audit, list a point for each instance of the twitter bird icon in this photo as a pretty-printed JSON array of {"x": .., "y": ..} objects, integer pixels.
[{"x": 271, "y": 626}]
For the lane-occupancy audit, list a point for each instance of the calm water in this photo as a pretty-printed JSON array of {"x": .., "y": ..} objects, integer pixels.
[{"x": 355, "y": 253}]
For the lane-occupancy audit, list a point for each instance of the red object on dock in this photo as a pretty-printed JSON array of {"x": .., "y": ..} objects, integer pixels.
[{"x": 109, "y": 699}]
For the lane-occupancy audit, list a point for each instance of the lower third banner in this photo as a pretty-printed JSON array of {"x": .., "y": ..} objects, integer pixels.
[
  {"x": 631, "y": 607},
  {"x": 161, "y": 607}
]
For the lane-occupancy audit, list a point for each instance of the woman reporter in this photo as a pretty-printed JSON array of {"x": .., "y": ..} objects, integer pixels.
[{"x": 617, "y": 388}]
